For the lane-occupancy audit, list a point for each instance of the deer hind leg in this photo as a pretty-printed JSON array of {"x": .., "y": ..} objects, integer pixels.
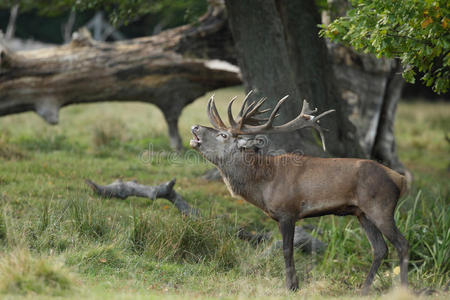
[
  {"x": 394, "y": 236},
  {"x": 379, "y": 249},
  {"x": 287, "y": 228},
  {"x": 386, "y": 224},
  {"x": 378, "y": 197}
]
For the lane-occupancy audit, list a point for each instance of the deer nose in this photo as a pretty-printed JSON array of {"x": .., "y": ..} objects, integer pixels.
[{"x": 194, "y": 128}]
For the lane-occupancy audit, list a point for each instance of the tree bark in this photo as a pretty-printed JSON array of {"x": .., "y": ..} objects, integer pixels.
[
  {"x": 151, "y": 69},
  {"x": 384, "y": 148},
  {"x": 287, "y": 33}
]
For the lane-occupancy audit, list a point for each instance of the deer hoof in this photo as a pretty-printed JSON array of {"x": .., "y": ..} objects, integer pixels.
[
  {"x": 364, "y": 291},
  {"x": 292, "y": 284}
]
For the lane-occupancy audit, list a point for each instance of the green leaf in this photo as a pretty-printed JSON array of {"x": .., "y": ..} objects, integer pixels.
[{"x": 412, "y": 30}]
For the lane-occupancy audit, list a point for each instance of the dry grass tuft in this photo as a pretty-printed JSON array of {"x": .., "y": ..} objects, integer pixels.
[
  {"x": 10, "y": 152},
  {"x": 23, "y": 274}
]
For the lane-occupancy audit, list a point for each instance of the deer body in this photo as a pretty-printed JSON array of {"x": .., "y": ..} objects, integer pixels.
[
  {"x": 300, "y": 186},
  {"x": 291, "y": 187}
]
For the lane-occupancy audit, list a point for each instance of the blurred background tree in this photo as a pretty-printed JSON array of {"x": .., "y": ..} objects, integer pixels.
[
  {"x": 426, "y": 27},
  {"x": 363, "y": 89},
  {"x": 44, "y": 20}
]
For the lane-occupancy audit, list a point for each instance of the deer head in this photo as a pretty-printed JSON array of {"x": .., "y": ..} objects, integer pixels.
[{"x": 244, "y": 131}]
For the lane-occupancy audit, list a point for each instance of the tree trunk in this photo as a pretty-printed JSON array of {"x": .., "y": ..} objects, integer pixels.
[
  {"x": 83, "y": 71},
  {"x": 280, "y": 52},
  {"x": 298, "y": 66},
  {"x": 384, "y": 148},
  {"x": 68, "y": 26}
]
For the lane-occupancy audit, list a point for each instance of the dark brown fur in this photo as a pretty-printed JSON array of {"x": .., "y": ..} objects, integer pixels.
[{"x": 292, "y": 187}]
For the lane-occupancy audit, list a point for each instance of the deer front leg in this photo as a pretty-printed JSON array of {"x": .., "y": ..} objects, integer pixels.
[{"x": 287, "y": 228}]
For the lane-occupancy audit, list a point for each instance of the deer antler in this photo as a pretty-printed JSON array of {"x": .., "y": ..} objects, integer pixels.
[
  {"x": 248, "y": 124},
  {"x": 247, "y": 114},
  {"x": 213, "y": 115}
]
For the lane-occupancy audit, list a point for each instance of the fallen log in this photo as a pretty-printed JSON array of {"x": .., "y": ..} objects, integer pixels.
[
  {"x": 157, "y": 69},
  {"x": 119, "y": 189},
  {"x": 123, "y": 190}
]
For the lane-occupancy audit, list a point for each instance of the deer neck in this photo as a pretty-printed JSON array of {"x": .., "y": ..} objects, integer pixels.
[{"x": 244, "y": 173}]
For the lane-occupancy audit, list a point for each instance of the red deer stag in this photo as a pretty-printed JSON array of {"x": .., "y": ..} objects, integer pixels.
[{"x": 291, "y": 187}]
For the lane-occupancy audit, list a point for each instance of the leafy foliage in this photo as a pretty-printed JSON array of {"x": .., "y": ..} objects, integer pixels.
[
  {"x": 45, "y": 7},
  {"x": 171, "y": 12},
  {"x": 416, "y": 31}
]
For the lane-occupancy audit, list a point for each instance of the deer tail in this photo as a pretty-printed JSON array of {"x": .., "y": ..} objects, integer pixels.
[
  {"x": 401, "y": 181},
  {"x": 403, "y": 185}
]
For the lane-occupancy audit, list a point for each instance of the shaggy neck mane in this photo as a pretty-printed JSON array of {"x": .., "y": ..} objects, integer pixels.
[
  {"x": 242, "y": 170},
  {"x": 249, "y": 163},
  {"x": 248, "y": 170}
]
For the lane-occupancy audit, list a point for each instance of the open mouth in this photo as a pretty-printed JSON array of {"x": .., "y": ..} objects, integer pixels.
[
  {"x": 196, "y": 137},
  {"x": 195, "y": 142}
]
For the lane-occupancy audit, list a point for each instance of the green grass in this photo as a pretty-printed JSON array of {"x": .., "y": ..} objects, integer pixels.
[{"x": 58, "y": 239}]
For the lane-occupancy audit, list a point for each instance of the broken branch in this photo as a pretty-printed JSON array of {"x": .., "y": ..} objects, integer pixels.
[{"x": 122, "y": 190}]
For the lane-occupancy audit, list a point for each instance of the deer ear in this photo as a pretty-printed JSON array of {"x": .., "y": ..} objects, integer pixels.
[
  {"x": 253, "y": 143},
  {"x": 243, "y": 143}
]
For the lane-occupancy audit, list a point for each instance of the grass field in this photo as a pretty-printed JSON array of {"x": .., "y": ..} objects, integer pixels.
[{"x": 58, "y": 239}]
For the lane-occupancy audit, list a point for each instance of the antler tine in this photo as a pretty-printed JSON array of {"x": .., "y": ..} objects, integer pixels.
[
  {"x": 323, "y": 114},
  {"x": 209, "y": 113},
  {"x": 304, "y": 119},
  {"x": 249, "y": 114},
  {"x": 248, "y": 121},
  {"x": 213, "y": 115},
  {"x": 322, "y": 137},
  {"x": 244, "y": 103},
  {"x": 306, "y": 109},
  {"x": 233, "y": 123},
  {"x": 255, "y": 108},
  {"x": 275, "y": 111},
  {"x": 216, "y": 114},
  {"x": 264, "y": 111},
  {"x": 247, "y": 109}
]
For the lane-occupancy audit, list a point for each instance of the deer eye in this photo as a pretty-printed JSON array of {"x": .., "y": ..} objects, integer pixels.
[{"x": 223, "y": 135}]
